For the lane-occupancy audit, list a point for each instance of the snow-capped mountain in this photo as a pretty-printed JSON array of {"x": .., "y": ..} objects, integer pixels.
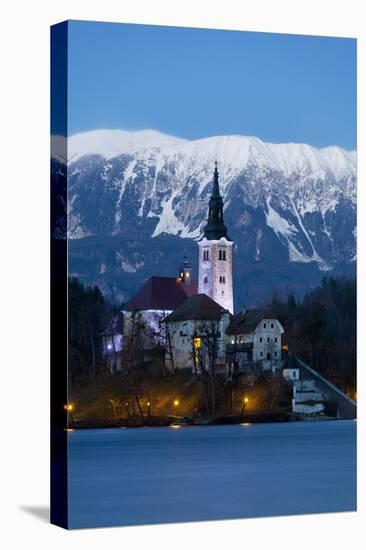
[{"x": 290, "y": 208}]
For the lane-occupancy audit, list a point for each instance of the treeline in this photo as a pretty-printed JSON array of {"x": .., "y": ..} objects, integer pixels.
[
  {"x": 90, "y": 314},
  {"x": 321, "y": 329}
]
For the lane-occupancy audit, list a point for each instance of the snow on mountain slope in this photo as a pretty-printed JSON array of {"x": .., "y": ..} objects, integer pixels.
[
  {"x": 234, "y": 151},
  {"x": 290, "y": 201},
  {"x": 111, "y": 143}
]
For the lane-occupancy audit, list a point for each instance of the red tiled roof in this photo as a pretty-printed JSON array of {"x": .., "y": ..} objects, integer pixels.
[{"x": 161, "y": 293}]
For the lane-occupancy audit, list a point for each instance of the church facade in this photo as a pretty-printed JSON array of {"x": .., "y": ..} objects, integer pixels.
[{"x": 215, "y": 262}]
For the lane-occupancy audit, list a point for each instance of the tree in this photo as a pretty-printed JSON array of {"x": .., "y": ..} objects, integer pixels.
[
  {"x": 89, "y": 313},
  {"x": 321, "y": 328},
  {"x": 132, "y": 356},
  {"x": 204, "y": 353}
]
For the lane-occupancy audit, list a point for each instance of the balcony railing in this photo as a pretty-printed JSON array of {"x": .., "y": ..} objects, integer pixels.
[{"x": 245, "y": 346}]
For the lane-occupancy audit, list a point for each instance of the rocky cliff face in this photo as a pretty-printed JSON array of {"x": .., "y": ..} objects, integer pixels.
[{"x": 137, "y": 199}]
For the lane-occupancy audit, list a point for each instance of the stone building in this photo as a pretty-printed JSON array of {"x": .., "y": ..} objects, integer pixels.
[
  {"x": 158, "y": 297},
  {"x": 197, "y": 320},
  {"x": 254, "y": 341}
]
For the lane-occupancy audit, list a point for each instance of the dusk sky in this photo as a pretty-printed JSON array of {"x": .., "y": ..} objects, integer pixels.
[{"x": 196, "y": 83}]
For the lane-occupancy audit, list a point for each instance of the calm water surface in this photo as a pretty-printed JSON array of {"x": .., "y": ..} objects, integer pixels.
[{"x": 159, "y": 475}]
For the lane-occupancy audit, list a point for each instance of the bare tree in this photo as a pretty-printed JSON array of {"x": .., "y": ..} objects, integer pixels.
[
  {"x": 204, "y": 353},
  {"x": 169, "y": 349},
  {"x": 132, "y": 356},
  {"x": 157, "y": 331},
  {"x": 115, "y": 403},
  {"x": 159, "y": 336}
]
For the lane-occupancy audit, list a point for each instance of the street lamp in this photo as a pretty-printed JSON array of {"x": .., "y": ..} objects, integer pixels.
[
  {"x": 245, "y": 402},
  {"x": 69, "y": 407},
  {"x": 176, "y": 405}
]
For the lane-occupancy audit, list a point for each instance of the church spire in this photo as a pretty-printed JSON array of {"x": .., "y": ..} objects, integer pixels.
[
  {"x": 215, "y": 228},
  {"x": 215, "y": 187}
]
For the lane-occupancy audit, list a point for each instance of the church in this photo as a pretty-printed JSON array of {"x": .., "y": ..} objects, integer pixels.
[
  {"x": 215, "y": 276},
  {"x": 175, "y": 312}
]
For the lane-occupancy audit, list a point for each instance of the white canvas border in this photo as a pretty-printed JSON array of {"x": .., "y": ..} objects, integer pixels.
[{"x": 25, "y": 270}]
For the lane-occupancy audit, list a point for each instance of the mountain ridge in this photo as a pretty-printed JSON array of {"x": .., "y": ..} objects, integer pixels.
[{"x": 284, "y": 203}]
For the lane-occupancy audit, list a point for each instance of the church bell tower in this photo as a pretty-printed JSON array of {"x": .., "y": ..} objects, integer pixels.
[
  {"x": 215, "y": 253},
  {"x": 185, "y": 270}
]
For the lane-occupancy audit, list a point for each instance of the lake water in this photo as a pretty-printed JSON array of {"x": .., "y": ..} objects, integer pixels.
[{"x": 160, "y": 475}]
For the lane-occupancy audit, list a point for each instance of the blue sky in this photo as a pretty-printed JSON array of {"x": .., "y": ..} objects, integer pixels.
[{"x": 195, "y": 83}]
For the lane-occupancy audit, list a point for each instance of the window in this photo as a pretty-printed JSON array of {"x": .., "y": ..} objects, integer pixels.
[
  {"x": 276, "y": 339},
  {"x": 205, "y": 255},
  {"x": 261, "y": 353},
  {"x": 222, "y": 255},
  {"x": 264, "y": 325},
  {"x": 267, "y": 339},
  {"x": 222, "y": 279},
  {"x": 272, "y": 325},
  {"x": 205, "y": 279},
  {"x": 276, "y": 353},
  {"x": 261, "y": 339},
  {"x": 197, "y": 342}
]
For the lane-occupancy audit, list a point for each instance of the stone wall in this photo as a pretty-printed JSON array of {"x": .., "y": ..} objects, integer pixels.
[{"x": 346, "y": 407}]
